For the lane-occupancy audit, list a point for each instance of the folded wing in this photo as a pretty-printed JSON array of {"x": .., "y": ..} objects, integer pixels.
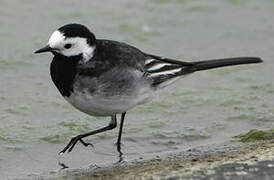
[{"x": 163, "y": 71}]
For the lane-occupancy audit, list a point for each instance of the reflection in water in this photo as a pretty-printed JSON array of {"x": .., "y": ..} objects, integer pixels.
[
  {"x": 63, "y": 165},
  {"x": 120, "y": 156},
  {"x": 121, "y": 159}
]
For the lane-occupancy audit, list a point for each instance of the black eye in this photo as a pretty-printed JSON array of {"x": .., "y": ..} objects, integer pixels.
[{"x": 67, "y": 46}]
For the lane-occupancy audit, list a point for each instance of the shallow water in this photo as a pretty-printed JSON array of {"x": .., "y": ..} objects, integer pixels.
[{"x": 203, "y": 108}]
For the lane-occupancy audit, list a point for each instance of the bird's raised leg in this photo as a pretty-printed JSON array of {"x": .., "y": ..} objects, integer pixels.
[{"x": 74, "y": 140}]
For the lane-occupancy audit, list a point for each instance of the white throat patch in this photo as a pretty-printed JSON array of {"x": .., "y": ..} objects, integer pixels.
[{"x": 79, "y": 45}]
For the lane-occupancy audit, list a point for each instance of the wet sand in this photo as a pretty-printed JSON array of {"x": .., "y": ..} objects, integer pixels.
[{"x": 225, "y": 161}]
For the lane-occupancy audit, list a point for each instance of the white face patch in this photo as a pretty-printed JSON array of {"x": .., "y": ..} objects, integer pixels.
[{"x": 79, "y": 45}]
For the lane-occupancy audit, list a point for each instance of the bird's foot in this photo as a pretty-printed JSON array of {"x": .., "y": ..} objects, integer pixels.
[
  {"x": 121, "y": 158},
  {"x": 118, "y": 146},
  {"x": 73, "y": 142},
  {"x": 86, "y": 144}
]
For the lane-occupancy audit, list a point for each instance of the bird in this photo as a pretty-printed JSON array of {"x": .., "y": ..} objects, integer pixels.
[{"x": 107, "y": 78}]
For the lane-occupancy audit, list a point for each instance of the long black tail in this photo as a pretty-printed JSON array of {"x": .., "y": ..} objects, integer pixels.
[
  {"x": 210, "y": 64},
  {"x": 164, "y": 69}
]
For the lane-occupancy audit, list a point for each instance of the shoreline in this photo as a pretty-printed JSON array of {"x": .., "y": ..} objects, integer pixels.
[{"x": 197, "y": 163}]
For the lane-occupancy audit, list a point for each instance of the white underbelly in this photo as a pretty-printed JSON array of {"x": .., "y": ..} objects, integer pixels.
[{"x": 97, "y": 105}]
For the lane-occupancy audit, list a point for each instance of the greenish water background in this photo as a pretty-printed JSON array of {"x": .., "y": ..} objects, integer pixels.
[{"x": 203, "y": 108}]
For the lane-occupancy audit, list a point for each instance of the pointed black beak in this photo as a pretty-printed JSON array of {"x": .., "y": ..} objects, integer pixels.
[{"x": 47, "y": 48}]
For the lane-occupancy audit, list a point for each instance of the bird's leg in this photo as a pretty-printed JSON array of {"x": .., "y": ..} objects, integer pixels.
[
  {"x": 120, "y": 134},
  {"x": 74, "y": 140}
]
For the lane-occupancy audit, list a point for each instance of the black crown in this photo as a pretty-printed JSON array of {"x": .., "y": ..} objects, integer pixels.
[{"x": 78, "y": 30}]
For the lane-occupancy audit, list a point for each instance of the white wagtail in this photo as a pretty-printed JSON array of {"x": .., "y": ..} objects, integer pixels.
[{"x": 105, "y": 78}]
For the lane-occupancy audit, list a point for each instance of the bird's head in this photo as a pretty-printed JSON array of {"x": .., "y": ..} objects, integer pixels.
[{"x": 71, "y": 40}]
